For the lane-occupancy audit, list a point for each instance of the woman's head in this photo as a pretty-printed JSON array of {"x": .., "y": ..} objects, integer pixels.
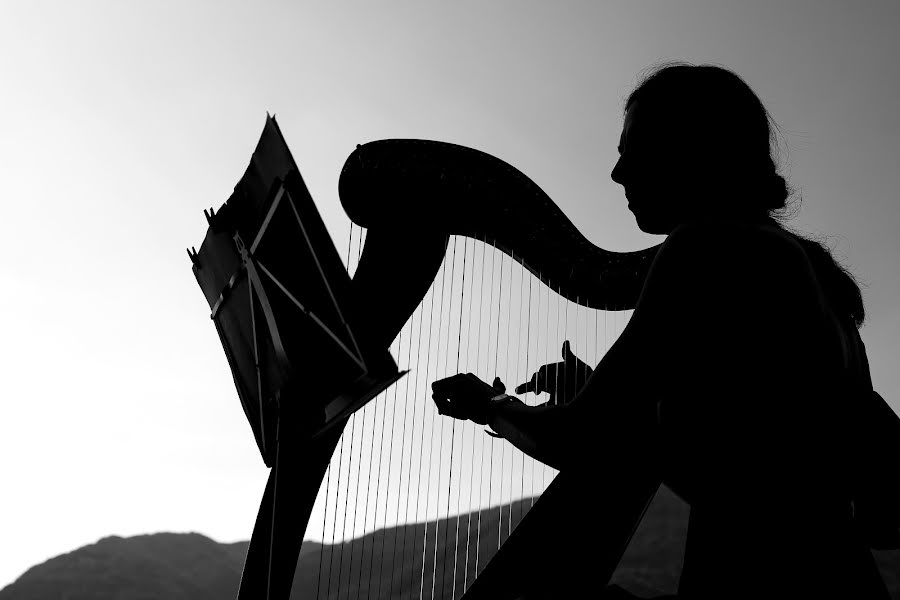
[{"x": 697, "y": 141}]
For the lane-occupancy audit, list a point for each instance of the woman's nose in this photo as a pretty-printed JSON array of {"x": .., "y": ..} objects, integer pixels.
[{"x": 618, "y": 172}]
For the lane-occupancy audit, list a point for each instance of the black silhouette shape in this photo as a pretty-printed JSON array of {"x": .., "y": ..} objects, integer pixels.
[
  {"x": 297, "y": 421},
  {"x": 281, "y": 303},
  {"x": 473, "y": 399},
  {"x": 560, "y": 380},
  {"x": 743, "y": 351}
]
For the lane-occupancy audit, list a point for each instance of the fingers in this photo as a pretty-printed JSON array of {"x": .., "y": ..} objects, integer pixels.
[
  {"x": 528, "y": 386},
  {"x": 548, "y": 377},
  {"x": 581, "y": 369},
  {"x": 448, "y": 384},
  {"x": 449, "y": 408},
  {"x": 443, "y": 406},
  {"x": 542, "y": 380},
  {"x": 460, "y": 396}
]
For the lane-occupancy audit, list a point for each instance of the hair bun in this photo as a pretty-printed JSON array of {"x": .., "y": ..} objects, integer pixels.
[{"x": 775, "y": 192}]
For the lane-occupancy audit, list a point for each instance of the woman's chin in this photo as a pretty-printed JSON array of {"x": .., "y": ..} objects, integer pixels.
[{"x": 650, "y": 225}]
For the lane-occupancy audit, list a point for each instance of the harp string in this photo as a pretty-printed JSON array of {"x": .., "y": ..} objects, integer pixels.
[
  {"x": 496, "y": 369},
  {"x": 477, "y": 367},
  {"x": 508, "y": 377},
  {"x": 354, "y": 420},
  {"x": 329, "y": 469},
  {"x": 471, "y": 428},
  {"x": 406, "y": 402},
  {"x": 514, "y": 383},
  {"x": 516, "y": 377},
  {"x": 369, "y": 481},
  {"x": 523, "y": 375},
  {"x": 527, "y": 371},
  {"x": 359, "y": 479},
  {"x": 384, "y": 412},
  {"x": 462, "y": 446},
  {"x": 431, "y": 445},
  {"x": 390, "y": 469},
  {"x": 440, "y": 452},
  {"x": 400, "y": 461},
  {"x": 412, "y": 437},
  {"x": 453, "y": 422},
  {"x": 475, "y": 434},
  {"x": 546, "y": 357},
  {"x": 340, "y": 566}
]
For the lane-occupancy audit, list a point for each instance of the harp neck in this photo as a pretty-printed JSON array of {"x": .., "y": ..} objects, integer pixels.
[{"x": 412, "y": 195}]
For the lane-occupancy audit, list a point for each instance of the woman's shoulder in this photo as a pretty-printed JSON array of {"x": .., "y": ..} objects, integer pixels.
[
  {"x": 731, "y": 245},
  {"x": 730, "y": 233},
  {"x": 732, "y": 262}
]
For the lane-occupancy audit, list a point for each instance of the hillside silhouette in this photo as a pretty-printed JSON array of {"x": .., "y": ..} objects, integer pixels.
[{"x": 182, "y": 566}]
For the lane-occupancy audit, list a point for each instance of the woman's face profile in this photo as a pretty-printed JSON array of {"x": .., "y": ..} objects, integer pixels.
[{"x": 652, "y": 171}]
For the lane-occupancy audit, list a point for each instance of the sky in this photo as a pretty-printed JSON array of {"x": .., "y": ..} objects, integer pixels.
[{"x": 121, "y": 121}]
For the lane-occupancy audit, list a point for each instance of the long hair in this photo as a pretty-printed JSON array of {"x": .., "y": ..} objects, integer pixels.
[{"x": 719, "y": 119}]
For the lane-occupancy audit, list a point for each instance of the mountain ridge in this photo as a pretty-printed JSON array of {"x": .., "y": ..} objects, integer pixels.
[{"x": 393, "y": 562}]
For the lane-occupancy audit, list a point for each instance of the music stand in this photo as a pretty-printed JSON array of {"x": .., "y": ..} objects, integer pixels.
[{"x": 280, "y": 298}]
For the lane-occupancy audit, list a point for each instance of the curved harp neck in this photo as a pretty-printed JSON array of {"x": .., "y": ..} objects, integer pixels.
[{"x": 423, "y": 191}]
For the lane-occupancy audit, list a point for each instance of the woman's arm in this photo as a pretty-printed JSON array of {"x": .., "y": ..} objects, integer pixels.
[
  {"x": 589, "y": 426},
  {"x": 532, "y": 429},
  {"x": 694, "y": 336},
  {"x": 618, "y": 403}
]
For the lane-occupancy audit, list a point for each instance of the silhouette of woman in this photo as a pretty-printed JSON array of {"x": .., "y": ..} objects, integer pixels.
[{"x": 744, "y": 345}]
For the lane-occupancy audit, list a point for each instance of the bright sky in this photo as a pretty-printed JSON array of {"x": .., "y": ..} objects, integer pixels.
[{"x": 120, "y": 122}]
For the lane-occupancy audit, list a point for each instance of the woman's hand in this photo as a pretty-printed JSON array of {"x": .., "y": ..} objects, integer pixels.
[
  {"x": 464, "y": 396},
  {"x": 561, "y": 380}
]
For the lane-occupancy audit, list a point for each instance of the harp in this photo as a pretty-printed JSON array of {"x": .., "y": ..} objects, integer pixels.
[{"x": 308, "y": 347}]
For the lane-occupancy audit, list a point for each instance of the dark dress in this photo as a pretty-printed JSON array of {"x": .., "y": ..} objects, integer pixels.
[{"x": 766, "y": 447}]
